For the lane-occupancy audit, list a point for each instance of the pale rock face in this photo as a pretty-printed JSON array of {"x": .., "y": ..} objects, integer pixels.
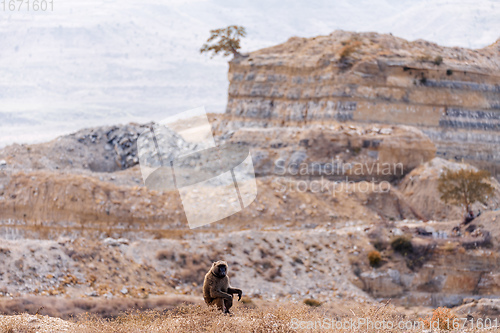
[
  {"x": 451, "y": 94},
  {"x": 444, "y": 280},
  {"x": 419, "y": 187},
  {"x": 336, "y": 152}
]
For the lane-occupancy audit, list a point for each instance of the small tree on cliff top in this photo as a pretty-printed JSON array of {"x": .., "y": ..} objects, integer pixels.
[
  {"x": 464, "y": 187},
  {"x": 225, "y": 41}
]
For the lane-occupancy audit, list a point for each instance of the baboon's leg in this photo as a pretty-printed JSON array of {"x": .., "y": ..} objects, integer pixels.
[
  {"x": 228, "y": 303},
  {"x": 220, "y": 303}
]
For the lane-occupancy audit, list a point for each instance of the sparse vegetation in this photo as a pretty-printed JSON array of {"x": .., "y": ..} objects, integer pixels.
[
  {"x": 464, "y": 187},
  {"x": 165, "y": 255},
  {"x": 225, "y": 41},
  {"x": 193, "y": 266},
  {"x": 374, "y": 258},
  {"x": 438, "y": 60},
  {"x": 197, "y": 319},
  {"x": 349, "y": 48},
  {"x": 441, "y": 318},
  {"x": 418, "y": 255},
  {"x": 402, "y": 245}
]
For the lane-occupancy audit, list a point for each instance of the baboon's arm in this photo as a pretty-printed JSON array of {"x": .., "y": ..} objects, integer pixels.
[
  {"x": 232, "y": 290},
  {"x": 220, "y": 294}
]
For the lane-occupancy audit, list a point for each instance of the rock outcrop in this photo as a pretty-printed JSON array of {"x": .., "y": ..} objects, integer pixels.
[
  {"x": 437, "y": 266},
  {"x": 342, "y": 153},
  {"x": 419, "y": 188},
  {"x": 483, "y": 307},
  {"x": 452, "y": 94},
  {"x": 446, "y": 279},
  {"x": 99, "y": 149}
]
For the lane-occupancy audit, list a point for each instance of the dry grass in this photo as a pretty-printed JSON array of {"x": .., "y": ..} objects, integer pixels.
[
  {"x": 202, "y": 319},
  {"x": 194, "y": 319},
  {"x": 67, "y": 308},
  {"x": 349, "y": 49},
  {"x": 191, "y": 319},
  {"x": 288, "y": 317}
]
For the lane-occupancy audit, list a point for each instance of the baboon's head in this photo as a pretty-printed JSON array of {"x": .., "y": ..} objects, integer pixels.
[{"x": 219, "y": 269}]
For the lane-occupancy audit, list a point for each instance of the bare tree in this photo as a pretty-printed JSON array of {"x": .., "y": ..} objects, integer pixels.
[
  {"x": 464, "y": 187},
  {"x": 225, "y": 41}
]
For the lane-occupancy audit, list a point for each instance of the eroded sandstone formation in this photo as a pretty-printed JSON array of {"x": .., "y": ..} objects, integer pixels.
[{"x": 452, "y": 94}]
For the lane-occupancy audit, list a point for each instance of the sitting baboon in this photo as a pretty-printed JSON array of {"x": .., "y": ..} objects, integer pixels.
[{"x": 216, "y": 288}]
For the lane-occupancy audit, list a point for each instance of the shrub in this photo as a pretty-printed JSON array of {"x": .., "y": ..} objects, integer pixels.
[
  {"x": 442, "y": 318},
  {"x": 312, "y": 302},
  {"x": 418, "y": 255},
  {"x": 449, "y": 72},
  {"x": 402, "y": 245},
  {"x": 438, "y": 60},
  {"x": 165, "y": 255},
  {"x": 374, "y": 258},
  {"x": 349, "y": 49}
]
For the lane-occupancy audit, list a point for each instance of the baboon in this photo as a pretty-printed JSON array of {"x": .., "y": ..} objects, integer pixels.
[{"x": 216, "y": 288}]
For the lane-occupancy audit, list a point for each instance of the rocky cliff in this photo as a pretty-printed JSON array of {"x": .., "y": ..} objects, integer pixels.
[{"x": 452, "y": 94}]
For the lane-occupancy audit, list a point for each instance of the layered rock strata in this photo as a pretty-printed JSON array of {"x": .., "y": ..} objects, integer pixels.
[{"x": 452, "y": 94}]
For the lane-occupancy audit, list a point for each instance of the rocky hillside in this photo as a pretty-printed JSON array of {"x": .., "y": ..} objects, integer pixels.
[
  {"x": 91, "y": 180},
  {"x": 78, "y": 204},
  {"x": 451, "y": 94}
]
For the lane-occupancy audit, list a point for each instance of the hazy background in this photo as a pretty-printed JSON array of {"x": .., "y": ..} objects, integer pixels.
[{"x": 97, "y": 62}]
